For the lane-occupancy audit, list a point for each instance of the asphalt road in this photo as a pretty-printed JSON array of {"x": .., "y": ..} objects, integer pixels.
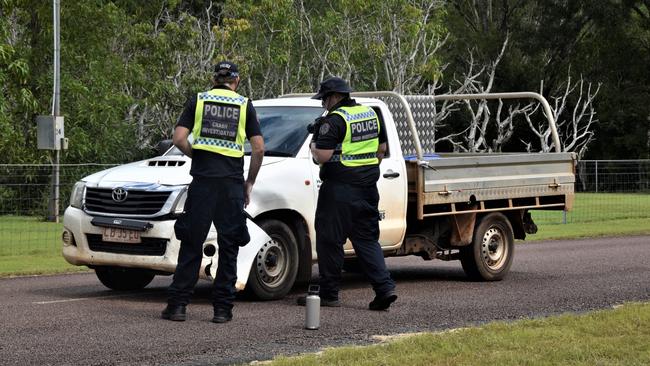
[{"x": 73, "y": 319}]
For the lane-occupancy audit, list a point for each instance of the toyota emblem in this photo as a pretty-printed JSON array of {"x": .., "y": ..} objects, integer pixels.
[{"x": 119, "y": 194}]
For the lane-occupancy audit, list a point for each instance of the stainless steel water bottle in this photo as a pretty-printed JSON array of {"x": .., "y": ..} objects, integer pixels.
[{"x": 312, "y": 308}]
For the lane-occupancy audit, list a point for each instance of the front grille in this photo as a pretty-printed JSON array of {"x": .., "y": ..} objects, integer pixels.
[
  {"x": 149, "y": 246},
  {"x": 136, "y": 203}
]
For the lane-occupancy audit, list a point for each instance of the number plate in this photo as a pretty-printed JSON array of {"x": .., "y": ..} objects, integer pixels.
[{"x": 121, "y": 235}]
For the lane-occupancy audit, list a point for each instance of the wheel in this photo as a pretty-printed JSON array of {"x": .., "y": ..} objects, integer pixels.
[
  {"x": 489, "y": 256},
  {"x": 275, "y": 269},
  {"x": 118, "y": 278}
]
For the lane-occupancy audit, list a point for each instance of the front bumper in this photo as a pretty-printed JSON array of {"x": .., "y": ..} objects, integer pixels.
[{"x": 86, "y": 236}]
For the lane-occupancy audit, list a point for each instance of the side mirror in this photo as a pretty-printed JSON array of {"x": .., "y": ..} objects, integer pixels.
[{"x": 163, "y": 146}]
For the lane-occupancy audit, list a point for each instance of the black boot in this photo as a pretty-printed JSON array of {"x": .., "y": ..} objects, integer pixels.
[
  {"x": 175, "y": 313},
  {"x": 222, "y": 316},
  {"x": 382, "y": 302}
]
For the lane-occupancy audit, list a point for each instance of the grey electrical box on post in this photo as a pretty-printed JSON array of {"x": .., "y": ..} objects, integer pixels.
[{"x": 51, "y": 133}]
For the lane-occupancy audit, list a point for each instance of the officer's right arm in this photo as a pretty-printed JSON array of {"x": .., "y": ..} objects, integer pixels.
[
  {"x": 180, "y": 140},
  {"x": 257, "y": 155},
  {"x": 184, "y": 126}
]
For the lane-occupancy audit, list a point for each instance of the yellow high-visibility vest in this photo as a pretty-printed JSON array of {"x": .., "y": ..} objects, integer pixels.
[
  {"x": 220, "y": 122},
  {"x": 359, "y": 147}
]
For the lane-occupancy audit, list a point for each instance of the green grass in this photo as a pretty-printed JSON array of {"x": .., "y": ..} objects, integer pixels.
[
  {"x": 21, "y": 235},
  {"x": 598, "y": 207},
  {"x": 31, "y": 246},
  {"x": 622, "y": 227},
  {"x": 19, "y": 265},
  {"x": 610, "y": 337},
  {"x": 596, "y": 215}
]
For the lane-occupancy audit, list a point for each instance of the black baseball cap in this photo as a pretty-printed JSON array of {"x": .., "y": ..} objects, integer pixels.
[
  {"x": 332, "y": 85},
  {"x": 226, "y": 68}
]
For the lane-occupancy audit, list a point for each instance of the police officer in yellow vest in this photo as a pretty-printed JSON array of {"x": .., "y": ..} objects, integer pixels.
[
  {"x": 349, "y": 144},
  {"x": 220, "y": 120}
]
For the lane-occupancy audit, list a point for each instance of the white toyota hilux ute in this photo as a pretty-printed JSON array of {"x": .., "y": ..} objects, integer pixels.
[{"x": 467, "y": 207}]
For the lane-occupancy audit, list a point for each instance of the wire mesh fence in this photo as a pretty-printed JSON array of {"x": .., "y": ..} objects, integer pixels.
[
  {"x": 606, "y": 190},
  {"x": 27, "y": 206}
]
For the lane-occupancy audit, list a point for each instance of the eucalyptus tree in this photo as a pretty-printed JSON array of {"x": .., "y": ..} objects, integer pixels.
[
  {"x": 18, "y": 102},
  {"x": 291, "y": 45},
  {"x": 557, "y": 41}
]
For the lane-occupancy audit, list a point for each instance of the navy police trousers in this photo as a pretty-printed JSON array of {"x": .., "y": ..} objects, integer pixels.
[
  {"x": 210, "y": 200},
  {"x": 346, "y": 211}
]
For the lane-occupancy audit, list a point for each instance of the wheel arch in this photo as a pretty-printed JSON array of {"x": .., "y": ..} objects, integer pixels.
[
  {"x": 474, "y": 258},
  {"x": 516, "y": 218}
]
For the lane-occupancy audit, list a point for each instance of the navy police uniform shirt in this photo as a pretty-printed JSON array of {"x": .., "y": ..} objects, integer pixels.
[
  {"x": 212, "y": 165},
  {"x": 329, "y": 136}
]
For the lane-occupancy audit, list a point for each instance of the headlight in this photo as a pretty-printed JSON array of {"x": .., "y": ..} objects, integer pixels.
[
  {"x": 179, "y": 206},
  {"x": 76, "y": 198}
]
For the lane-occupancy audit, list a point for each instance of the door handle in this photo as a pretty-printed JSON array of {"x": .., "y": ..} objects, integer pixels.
[{"x": 391, "y": 174}]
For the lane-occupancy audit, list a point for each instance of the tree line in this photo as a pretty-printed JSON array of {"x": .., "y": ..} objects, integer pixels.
[{"x": 127, "y": 67}]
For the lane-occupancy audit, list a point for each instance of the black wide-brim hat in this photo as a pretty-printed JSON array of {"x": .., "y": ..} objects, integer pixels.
[{"x": 332, "y": 85}]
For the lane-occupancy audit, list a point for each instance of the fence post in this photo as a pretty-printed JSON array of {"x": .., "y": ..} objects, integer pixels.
[
  {"x": 53, "y": 206},
  {"x": 564, "y": 216},
  {"x": 596, "y": 176}
]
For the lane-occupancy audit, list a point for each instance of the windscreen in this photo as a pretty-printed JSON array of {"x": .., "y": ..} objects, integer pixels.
[{"x": 284, "y": 129}]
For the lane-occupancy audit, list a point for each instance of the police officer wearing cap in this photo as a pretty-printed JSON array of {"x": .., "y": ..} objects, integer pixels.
[
  {"x": 220, "y": 120},
  {"x": 348, "y": 143}
]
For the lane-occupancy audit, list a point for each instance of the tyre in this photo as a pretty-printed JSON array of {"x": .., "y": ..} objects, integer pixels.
[
  {"x": 489, "y": 256},
  {"x": 275, "y": 268},
  {"x": 118, "y": 278}
]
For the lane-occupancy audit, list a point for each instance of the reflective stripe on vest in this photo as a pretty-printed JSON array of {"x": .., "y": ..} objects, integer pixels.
[
  {"x": 220, "y": 122},
  {"x": 361, "y": 140}
]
